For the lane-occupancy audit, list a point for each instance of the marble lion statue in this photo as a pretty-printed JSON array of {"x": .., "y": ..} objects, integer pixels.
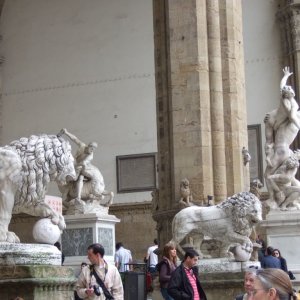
[
  {"x": 185, "y": 192},
  {"x": 27, "y": 166},
  {"x": 229, "y": 222}
]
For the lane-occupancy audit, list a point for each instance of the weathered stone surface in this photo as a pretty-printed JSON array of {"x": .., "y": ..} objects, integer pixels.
[
  {"x": 29, "y": 254},
  {"x": 215, "y": 266},
  {"x": 36, "y": 282}
]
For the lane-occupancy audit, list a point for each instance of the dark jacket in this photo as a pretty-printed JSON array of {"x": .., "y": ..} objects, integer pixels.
[
  {"x": 283, "y": 264},
  {"x": 180, "y": 288},
  {"x": 270, "y": 261},
  {"x": 165, "y": 270}
]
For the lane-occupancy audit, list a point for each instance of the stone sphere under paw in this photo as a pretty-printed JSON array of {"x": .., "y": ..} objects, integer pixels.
[
  {"x": 45, "y": 232},
  {"x": 241, "y": 254}
]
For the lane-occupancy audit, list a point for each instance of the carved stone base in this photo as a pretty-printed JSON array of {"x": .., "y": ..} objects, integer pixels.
[
  {"x": 84, "y": 230},
  {"x": 283, "y": 232},
  {"x": 222, "y": 279},
  {"x": 224, "y": 265},
  {"x": 36, "y": 282},
  {"x": 76, "y": 207},
  {"x": 29, "y": 254}
]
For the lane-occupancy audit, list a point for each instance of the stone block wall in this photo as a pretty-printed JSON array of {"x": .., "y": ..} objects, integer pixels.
[{"x": 136, "y": 229}]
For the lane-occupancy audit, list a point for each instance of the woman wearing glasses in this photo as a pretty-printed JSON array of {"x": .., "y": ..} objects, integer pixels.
[{"x": 272, "y": 284}]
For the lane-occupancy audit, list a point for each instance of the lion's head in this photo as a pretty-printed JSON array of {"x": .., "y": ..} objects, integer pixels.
[
  {"x": 245, "y": 211},
  {"x": 184, "y": 183},
  {"x": 44, "y": 158}
]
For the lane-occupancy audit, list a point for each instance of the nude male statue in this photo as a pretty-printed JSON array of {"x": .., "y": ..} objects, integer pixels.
[
  {"x": 83, "y": 158},
  {"x": 282, "y": 126},
  {"x": 284, "y": 178},
  {"x": 285, "y": 113}
]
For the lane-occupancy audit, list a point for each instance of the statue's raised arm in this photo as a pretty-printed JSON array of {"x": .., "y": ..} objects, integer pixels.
[
  {"x": 72, "y": 137},
  {"x": 287, "y": 74}
]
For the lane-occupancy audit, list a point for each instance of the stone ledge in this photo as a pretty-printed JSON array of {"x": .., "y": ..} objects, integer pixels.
[
  {"x": 34, "y": 271},
  {"x": 29, "y": 254}
]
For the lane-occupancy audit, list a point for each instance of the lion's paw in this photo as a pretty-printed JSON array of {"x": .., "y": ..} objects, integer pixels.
[
  {"x": 61, "y": 224},
  {"x": 59, "y": 221},
  {"x": 248, "y": 247},
  {"x": 11, "y": 237}
]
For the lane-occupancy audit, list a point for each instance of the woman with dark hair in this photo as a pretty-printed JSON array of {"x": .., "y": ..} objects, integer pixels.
[
  {"x": 272, "y": 284},
  {"x": 277, "y": 254},
  {"x": 165, "y": 268}
]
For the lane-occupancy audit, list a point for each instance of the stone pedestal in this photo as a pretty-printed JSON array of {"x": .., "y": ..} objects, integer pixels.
[
  {"x": 36, "y": 282},
  {"x": 84, "y": 230},
  {"x": 283, "y": 232},
  {"x": 223, "y": 279},
  {"x": 29, "y": 254}
]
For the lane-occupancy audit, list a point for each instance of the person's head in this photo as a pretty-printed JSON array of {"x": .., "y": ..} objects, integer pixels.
[
  {"x": 155, "y": 242},
  {"x": 169, "y": 252},
  {"x": 83, "y": 264},
  {"x": 95, "y": 253},
  {"x": 269, "y": 250},
  {"x": 288, "y": 92},
  {"x": 91, "y": 147},
  {"x": 249, "y": 279},
  {"x": 272, "y": 284},
  {"x": 276, "y": 253},
  {"x": 119, "y": 245},
  {"x": 191, "y": 258}
]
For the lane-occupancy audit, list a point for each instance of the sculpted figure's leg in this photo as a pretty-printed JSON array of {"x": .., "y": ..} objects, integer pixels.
[
  {"x": 269, "y": 131},
  {"x": 6, "y": 207},
  {"x": 79, "y": 186}
]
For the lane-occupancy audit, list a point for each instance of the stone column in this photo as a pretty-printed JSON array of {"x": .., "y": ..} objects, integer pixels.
[
  {"x": 201, "y": 112},
  {"x": 289, "y": 18}
]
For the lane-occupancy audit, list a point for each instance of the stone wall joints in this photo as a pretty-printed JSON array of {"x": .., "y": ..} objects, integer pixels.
[
  {"x": 163, "y": 100},
  {"x": 131, "y": 206},
  {"x": 234, "y": 94},
  {"x": 80, "y": 84}
]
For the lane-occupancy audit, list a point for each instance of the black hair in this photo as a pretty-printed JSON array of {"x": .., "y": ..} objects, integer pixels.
[
  {"x": 190, "y": 253},
  {"x": 155, "y": 242},
  {"x": 97, "y": 248},
  {"x": 119, "y": 245},
  {"x": 270, "y": 250}
]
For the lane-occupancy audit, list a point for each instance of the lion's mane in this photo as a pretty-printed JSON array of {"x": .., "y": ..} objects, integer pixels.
[
  {"x": 42, "y": 158},
  {"x": 239, "y": 206}
]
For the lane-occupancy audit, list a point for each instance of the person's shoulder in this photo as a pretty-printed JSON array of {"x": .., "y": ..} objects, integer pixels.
[
  {"x": 112, "y": 270},
  {"x": 86, "y": 269},
  {"x": 240, "y": 297},
  {"x": 111, "y": 267},
  {"x": 161, "y": 263}
]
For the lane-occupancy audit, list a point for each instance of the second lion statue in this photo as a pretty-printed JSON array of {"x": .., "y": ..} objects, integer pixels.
[{"x": 229, "y": 222}]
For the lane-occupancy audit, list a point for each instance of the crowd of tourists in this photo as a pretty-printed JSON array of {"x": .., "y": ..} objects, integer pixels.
[{"x": 100, "y": 280}]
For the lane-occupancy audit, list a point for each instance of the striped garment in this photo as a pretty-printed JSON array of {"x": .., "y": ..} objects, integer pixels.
[{"x": 192, "y": 279}]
